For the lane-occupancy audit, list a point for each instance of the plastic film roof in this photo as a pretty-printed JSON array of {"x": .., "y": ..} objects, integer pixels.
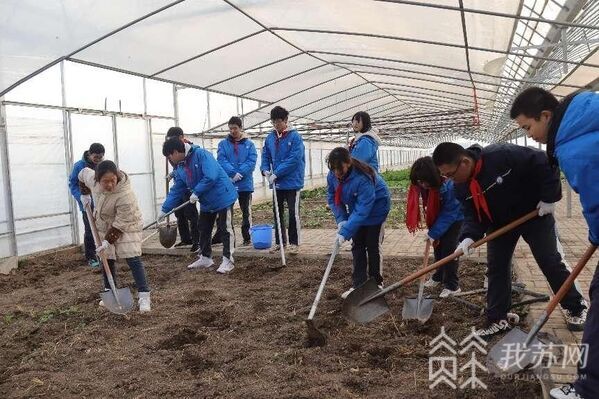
[{"x": 426, "y": 71}]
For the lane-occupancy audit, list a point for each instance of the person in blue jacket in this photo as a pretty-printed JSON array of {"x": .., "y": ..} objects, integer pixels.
[
  {"x": 365, "y": 144},
  {"x": 360, "y": 202},
  {"x": 198, "y": 171},
  {"x": 444, "y": 218},
  {"x": 237, "y": 156},
  {"x": 90, "y": 159},
  {"x": 283, "y": 164},
  {"x": 570, "y": 129}
]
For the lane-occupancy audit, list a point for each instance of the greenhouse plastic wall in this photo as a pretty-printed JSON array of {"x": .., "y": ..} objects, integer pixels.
[{"x": 41, "y": 137}]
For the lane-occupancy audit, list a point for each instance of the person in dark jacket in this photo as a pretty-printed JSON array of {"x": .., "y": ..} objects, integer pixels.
[
  {"x": 187, "y": 217},
  {"x": 570, "y": 129},
  {"x": 90, "y": 159},
  {"x": 237, "y": 155},
  {"x": 284, "y": 164},
  {"x": 360, "y": 201},
  {"x": 443, "y": 218},
  {"x": 496, "y": 185},
  {"x": 198, "y": 171},
  {"x": 365, "y": 144}
]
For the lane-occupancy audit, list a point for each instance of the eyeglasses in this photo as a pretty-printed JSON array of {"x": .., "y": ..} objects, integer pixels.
[{"x": 452, "y": 174}]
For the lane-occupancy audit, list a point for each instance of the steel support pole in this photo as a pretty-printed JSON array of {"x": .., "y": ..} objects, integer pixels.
[{"x": 8, "y": 200}]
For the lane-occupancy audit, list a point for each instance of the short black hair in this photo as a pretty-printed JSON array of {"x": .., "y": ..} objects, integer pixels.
[
  {"x": 96, "y": 148},
  {"x": 171, "y": 145},
  {"x": 105, "y": 167},
  {"x": 532, "y": 101},
  {"x": 174, "y": 131},
  {"x": 425, "y": 170},
  {"x": 278, "y": 112},
  {"x": 235, "y": 120},
  {"x": 448, "y": 154},
  {"x": 363, "y": 117}
]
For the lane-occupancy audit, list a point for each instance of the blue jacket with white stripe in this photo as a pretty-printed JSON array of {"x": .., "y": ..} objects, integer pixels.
[
  {"x": 450, "y": 212},
  {"x": 287, "y": 157},
  {"x": 241, "y": 160}
]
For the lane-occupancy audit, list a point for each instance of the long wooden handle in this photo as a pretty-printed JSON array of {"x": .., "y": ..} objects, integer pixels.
[
  {"x": 427, "y": 251},
  {"x": 325, "y": 277},
  {"x": 98, "y": 242}
]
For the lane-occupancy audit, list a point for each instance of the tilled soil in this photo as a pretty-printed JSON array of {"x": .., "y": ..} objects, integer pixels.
[{"x": 212, "y": 336}]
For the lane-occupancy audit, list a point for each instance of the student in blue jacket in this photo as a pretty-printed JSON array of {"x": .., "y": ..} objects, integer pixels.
[
  {"x": 570, "y": 129},
  {"x": 360, "y": 201},
  {"x": 90, "y": 159},
  {"x": 237, "y": 156},
  {"x": 198, "y": 171},
  {"x": 443, "y": 217},
  {"x": 364, "y": 146},
  {"x": 283, "y": 164}
]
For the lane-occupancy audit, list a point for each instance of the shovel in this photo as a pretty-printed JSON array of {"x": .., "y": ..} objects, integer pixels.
[
  {"x": 368, "y": 302},
  {"x": 419, "y": 308},
  {"x": 278, "y": 221},
  {"x": 119, "y": 300},
  {"x": 167, "y": 235},
  {"x": 315, "y": 336},
  {"x": 517, "y": 350}
]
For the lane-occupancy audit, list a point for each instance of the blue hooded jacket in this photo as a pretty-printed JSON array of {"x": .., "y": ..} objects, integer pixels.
[
  {"x": 288, "y": 159},
  {"x": 450, "y": 212},
  {"x": 243, "y": 161},
  {"x": 363, "y": 202},
  {"x": 74, "y": 178},
  {"x": 577, "y": 151},
  {"x": 200, "y": 173},
  {"x": 365, "y": 148}
]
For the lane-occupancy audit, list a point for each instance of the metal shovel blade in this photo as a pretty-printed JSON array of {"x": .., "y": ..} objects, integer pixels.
[
  {"x": 125, "y": 300},
  {"x": 509, "y": 355},
  {"x": 167, "y": 236},
  {"x": 419, "y": 309},
  {"x": 315, "y": 336},
  {"x": 358, "y": 312}
]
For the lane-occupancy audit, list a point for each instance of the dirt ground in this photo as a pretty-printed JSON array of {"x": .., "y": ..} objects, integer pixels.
[{"x": 211, "y": 336}]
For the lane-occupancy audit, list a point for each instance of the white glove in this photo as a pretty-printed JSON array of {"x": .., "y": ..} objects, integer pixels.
[
  {"x": 161, "y": 216},
  {"x": 340, "y": 239},
  {"x": 545, "y": 208},
  {"x": 102, "y": 247},
  {"x": 272, "y": 178},
  {"x": 86, "y": 200},
  {"x": 465, "y": 246},
  {"x": 237, "y": 177},
  {"x": 193, "y": 198},
  {"x": 266, "y": 174}
]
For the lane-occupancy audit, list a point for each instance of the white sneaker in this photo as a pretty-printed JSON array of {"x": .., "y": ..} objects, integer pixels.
[
  {"x": 447, "y": 292},
  {"x": 346, "y": 293},
  {"x": 513, "y": 318},
  {"x": 226, "y": 266},
  {"x": 101, "y": 303},
  {"x": 486, "y": 282},
  {"x": 144, "y": 301},
  {"x": 202, "y": 262},
  {"x": 430, "y": 283},
  {"x": 293, "y": 249},
  {"x": 564, "y": 392},
  {"x": 275, "y": 249}
]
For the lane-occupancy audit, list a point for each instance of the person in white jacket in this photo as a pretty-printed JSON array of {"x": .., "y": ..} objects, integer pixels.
[{"x": 119, "y": 222}]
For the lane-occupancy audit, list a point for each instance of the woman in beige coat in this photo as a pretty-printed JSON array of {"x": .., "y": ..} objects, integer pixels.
[{"x": 118, "y": 220}]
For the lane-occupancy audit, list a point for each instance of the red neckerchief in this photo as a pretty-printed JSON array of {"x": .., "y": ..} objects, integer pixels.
[
  {"x": 277, "y": 138},
  {"x": 339, "y": 190},
  {"x": 478, "y": 197},
  {"x": 187, "y": 168},
  {"x": 431, "y": 202},
  {"x": 235, "y": 144}
]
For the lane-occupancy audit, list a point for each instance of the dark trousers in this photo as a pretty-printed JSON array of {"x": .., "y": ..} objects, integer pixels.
[
  {"x": 366, "y": 251},
  {"x": 137, "y": 270},
  {"x": 187, "y": 223},
  {"x": 540, "y": 235},
  {"x": 448, "y": 242},
  {"x": 587, "y": 384},
  {"x": 292, "y": 198},
  {"x": 225, "y": 224},
  {"x": 88, "y": 239},
  {"x": 245, "y": 204}
]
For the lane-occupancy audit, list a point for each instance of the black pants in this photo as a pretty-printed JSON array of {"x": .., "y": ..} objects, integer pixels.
[
  {"x": 587, "y": 384},
  {"x": 187, "y": 222},
  {"x": 292, "y": 198},
  {"x": 88, "y": 239},
  {"x": 448, "y": 242},
  {"x": 540, "y": 235},
  {"x": 366, "y": 251},
  {"x": 245, "y": 204},
  {"x": 225, "y": 224}
]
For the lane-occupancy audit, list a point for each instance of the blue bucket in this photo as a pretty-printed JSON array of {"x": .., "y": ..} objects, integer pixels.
[{"x": 261, "y": 236}]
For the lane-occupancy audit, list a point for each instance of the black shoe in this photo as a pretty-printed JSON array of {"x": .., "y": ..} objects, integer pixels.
[
  {"x": 182, "y": 244},
  {"x": 491, "y": 329},
  {"x": 195, "y": 247}
]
